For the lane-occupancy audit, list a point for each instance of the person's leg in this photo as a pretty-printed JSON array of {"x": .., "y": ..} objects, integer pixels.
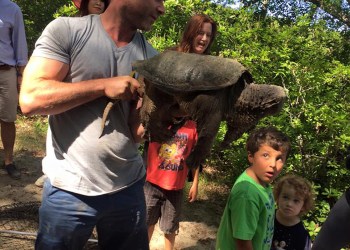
[
  {"x": 170, "y": 218},
  {"x": 66, "y": 221},
  {"x": 169, "y": 241},
  {"x": 8, "y": 135},
  {"x": 123, "y": 223},
  {"x": 8, "y": 114},
  {"x": 335, "y": 232},
  {"x": 154, "y": 200}
]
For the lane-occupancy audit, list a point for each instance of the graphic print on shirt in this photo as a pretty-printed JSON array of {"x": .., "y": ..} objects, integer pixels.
[
  {"x": 279, "y": 245},
  {"x": 290, "y": 237},
  {"x": 270, "y": 219},
  {"x": 171, "y": 153}
]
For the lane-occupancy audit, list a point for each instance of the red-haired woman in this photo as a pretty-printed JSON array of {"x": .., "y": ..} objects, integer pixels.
[{"x": 198, "y": 36}]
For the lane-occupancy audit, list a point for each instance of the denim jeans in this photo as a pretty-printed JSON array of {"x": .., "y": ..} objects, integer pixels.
[{"x": 66, "y": 220}]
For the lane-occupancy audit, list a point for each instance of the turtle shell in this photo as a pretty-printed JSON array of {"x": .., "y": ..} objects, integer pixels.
[{"x": 174, "y": 71}]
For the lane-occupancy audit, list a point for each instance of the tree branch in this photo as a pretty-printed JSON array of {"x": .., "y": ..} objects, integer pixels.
[{"x": 333, "y": 9}]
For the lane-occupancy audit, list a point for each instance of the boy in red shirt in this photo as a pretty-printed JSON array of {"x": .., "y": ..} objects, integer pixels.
[{"x": 166, "y": 176}]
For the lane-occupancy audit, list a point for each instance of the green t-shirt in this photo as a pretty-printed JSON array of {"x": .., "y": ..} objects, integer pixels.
[{"x": 248, "y": 215}]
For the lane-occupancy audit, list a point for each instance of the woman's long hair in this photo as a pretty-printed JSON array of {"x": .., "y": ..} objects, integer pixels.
[{"x": 192, "y": 29}]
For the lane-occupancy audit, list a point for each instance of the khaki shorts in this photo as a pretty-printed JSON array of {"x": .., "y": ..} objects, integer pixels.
[
  {"x": 8, "y": 95},
  {"x": 165, "y": 205}
]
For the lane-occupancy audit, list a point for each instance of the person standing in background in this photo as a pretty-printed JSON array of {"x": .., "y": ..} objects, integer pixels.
[
  {"x": 13, "y": 59},
  {"x": 198, "y": 36},
  {"x": 87, "y": 7}
]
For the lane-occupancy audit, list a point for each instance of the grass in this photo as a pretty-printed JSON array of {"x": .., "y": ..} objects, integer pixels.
[{"x": 31, "y": 133}]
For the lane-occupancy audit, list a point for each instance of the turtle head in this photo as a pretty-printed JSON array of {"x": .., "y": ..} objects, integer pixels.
[
  {"x": 261, "y": 100},
  {"x": 255, "y": 102}
]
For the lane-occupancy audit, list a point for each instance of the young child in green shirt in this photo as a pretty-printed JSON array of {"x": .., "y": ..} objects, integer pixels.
[{"x": 248, "y": 219}]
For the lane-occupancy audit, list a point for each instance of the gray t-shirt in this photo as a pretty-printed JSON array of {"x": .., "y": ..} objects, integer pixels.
[{"x": 77, "y": 159}]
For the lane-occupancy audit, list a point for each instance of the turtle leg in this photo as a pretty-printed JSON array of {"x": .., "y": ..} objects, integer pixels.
[
  {"x": 236, "y": 126},
  {"x": 156, "y": 116},
  {"x": 206, "y": 111},
  {"x": 161, "y": 125},
  {"x": 206, "y": 135}
]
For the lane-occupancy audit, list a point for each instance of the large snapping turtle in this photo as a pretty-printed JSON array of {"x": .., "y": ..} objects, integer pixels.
[{"x": 208, "y": 89}]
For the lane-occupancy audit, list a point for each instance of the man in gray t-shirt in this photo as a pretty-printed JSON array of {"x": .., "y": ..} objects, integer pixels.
[{"x": 78, "y": 65}]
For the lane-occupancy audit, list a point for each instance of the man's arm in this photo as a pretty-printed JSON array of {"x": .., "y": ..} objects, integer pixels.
[{"x": 44, "y": 92}]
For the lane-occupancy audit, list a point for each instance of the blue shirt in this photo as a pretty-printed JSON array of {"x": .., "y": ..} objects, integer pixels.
[{"x": 13, "y": 44}]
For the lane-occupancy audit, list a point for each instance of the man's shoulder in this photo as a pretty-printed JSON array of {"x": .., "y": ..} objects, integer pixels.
[
  {"x": 73, "y": 22},
  {"x": 71, "y": 25}
]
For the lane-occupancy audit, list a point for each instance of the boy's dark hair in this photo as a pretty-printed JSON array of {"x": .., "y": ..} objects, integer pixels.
[
  {"x": 302, "y": 188},
  {"x": 269, "y": 136}
]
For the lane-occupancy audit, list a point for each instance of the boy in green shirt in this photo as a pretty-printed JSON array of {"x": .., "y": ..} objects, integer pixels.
[{"x": 248, "y": 219}]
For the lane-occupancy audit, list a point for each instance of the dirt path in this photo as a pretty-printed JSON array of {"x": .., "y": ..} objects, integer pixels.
[{"x": 197, "y": 229}]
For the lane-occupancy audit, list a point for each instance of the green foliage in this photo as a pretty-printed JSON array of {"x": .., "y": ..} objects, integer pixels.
[
  {"x": 37, "y": 14},
  {"x": 31, "y": 133},
  {"x": 66, "y": 10},
  {"x": 41, "y": 125}
]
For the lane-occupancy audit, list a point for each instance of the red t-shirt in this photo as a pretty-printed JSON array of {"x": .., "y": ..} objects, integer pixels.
[{"x": 166, "y": 166}]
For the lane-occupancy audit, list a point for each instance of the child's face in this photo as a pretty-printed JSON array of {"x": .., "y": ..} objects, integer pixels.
[
  {"x": 290, "y": 204},
  {"x": 266, "y": 164}
]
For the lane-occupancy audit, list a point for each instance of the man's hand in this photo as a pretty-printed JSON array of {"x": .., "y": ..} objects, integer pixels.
[{"x": 121, "y": 87}]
